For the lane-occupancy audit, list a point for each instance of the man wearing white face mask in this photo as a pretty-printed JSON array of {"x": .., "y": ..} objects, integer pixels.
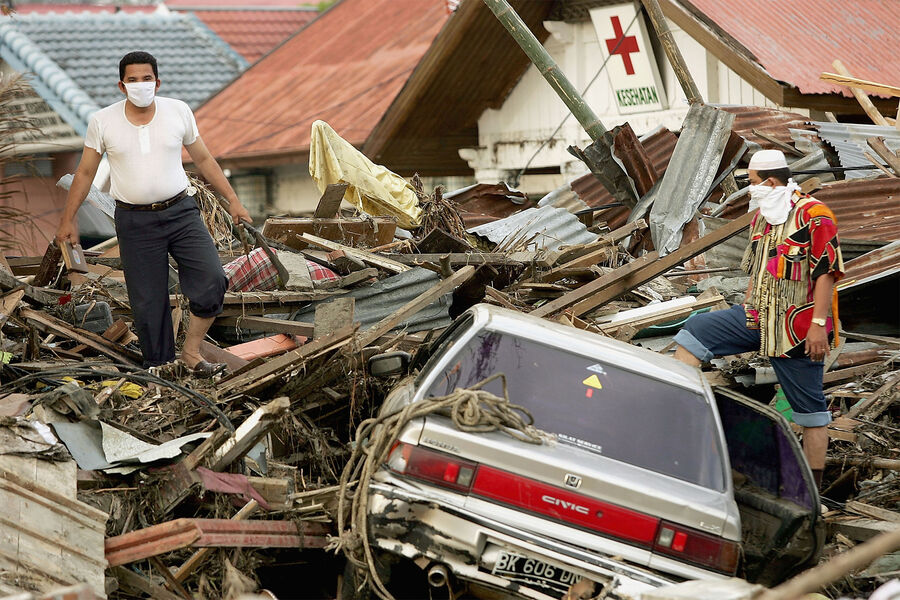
[
  {"x": 156, "y": 213},
  {"x": 794, "y": 260}
]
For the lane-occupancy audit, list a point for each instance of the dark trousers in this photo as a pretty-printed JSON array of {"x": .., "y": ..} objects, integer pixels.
[{"x": 146, "y": 238}]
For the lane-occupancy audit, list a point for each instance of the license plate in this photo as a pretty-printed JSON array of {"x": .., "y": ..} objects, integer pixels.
[{"x": 533, "y": 573}]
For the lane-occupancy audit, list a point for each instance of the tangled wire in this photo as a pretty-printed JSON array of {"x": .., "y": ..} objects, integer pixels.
[{"x": 472, "y": 410}]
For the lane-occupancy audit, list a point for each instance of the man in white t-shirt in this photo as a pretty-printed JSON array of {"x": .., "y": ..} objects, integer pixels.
[{"x": 156, "y": 214}]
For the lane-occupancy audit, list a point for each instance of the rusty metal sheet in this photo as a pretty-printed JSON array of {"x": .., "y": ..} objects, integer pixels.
[
  {"x": 182, "y": 533},
  {"x": 871, "y": 266},
  {"x": 484, "y": 202}
]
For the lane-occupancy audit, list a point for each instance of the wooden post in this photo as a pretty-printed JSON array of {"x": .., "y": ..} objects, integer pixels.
[
  {"x": 861, "y": 97},
  {"x": 661, "y": 26}
]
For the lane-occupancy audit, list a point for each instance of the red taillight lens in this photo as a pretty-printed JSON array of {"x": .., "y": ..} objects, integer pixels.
[
  {"x": 696, "y": 547},
  {"x": 437, "y": 467}
]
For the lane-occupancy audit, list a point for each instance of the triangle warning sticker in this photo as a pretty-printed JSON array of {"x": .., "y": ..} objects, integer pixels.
[{"x": 594, "y": 382}]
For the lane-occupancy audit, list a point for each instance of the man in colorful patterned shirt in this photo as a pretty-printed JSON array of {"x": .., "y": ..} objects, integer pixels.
[{"x": 794, "y": 260}]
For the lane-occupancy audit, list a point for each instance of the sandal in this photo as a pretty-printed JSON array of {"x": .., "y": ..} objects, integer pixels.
[{"x": 208, "y": 369}]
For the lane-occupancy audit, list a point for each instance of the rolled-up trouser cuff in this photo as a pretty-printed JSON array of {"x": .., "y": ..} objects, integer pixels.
[
  {"x": 686, "y": 340},
  {"x": 816, "y": 419}
]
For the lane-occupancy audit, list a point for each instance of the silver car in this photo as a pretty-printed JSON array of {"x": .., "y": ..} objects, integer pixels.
[{"x": 647, "y": 478}]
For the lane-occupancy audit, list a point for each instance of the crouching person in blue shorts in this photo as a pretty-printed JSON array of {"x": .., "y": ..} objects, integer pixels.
[{"x": 794, "y": 260}]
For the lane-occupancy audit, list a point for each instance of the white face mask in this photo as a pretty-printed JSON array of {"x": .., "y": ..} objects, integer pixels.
[
  {"x": 774, "y": 203},
  {"x": 141, "y": 93}
]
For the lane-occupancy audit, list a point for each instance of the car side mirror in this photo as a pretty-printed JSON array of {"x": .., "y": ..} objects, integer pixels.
[{"x": 389, "y": 363}]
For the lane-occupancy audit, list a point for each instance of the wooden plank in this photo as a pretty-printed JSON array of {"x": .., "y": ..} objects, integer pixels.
[
  {"x": 877, "y": 339},
  {"x": 607, "y": 239},
  {"x": 33, "y": 295},
  {"x": 132, "y": 580},
  {"x": 671, "y": 314},
  {"x": 414, "y": 306},
  {"x": 877, "y": 144},
  {"x": 458, "y": 259},
  {"x": 92, "y": 340},
  {"x": 367, "y": 257},
  {"x": 587, "y": 260},
  {"x": 249, "y": 433},
  {"x": 214, "y": 354},
  {"x": 862, "y": 530},
  {"x": 861, "y": 84},
  {"x": 286, "y": 361},
  {"x": 867, "y": 510},
  {"x": 49, "y": 266},
  {"x": 861, "y": 97},
  {"x": 331, "y": 199},
  {"x": 848, "y": 373},
  {"x": 637, "y": 272},
  {"x": 778, "y": 143},
  {"x": 265, "y": 325},
  {"x": 113, "y": 333},
  {"x": 8, "y": 304},
  {"x": 875, "y": 403}
]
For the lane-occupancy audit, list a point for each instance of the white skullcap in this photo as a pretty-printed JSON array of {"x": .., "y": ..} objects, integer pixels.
[{"x": 766, "y": 160}]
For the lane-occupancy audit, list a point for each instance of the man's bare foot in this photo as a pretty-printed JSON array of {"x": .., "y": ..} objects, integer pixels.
[{"x": 190, "y": 358}]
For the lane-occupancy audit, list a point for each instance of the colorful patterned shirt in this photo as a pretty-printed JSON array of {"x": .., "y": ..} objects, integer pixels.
[{"x": 784, "y": 261}]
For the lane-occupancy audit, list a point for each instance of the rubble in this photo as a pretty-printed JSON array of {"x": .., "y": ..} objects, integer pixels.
[{"x": 255, "y": 459}]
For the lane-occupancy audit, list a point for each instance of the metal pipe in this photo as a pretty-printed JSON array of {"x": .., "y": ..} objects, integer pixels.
[
  {"x": 438, "y": 576},
  {"x": 547, "y": 67}
]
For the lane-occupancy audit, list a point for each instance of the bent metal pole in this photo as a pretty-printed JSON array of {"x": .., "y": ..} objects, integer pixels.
[{"x": 548, "y": 67}]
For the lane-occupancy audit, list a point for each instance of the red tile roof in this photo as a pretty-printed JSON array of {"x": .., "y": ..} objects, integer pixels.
[
  {"x": 253, "y": 33},
  {"x": 795, "y": 41},
  {"x": 345, "y": 68}
]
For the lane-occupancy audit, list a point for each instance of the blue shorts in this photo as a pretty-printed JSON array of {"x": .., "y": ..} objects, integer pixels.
[{"x": 724, "y": 332}]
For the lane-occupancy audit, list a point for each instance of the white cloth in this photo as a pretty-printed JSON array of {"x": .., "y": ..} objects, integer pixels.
[
  {"x": 774, "y": 203},
  {"x": 145, "y": 160}
]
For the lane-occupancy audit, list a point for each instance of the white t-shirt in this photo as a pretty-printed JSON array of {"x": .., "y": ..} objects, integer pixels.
[{"x": 144, "y": 160}]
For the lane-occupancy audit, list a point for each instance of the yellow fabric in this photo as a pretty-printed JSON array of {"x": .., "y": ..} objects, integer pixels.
[{"x": 373, "y": 189}]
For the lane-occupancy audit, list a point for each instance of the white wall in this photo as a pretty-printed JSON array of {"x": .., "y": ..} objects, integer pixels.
[
  {"x": 508, "y": 137},
  {"x": 295, "y": 192}
]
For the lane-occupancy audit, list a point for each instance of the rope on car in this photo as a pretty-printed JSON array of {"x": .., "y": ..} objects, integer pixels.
[{"x": 472, "y": 410}]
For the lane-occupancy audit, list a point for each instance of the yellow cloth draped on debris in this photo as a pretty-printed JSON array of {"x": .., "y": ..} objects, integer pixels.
[{"x": 373, "y": 189}]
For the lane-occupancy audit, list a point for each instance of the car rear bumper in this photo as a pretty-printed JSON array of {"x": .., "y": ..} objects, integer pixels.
[{"x": 411, "y": 524}]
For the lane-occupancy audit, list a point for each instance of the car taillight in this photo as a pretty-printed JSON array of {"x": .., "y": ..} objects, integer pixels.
[
  {"x": 696, "y": 547},
  {"x": 437, "y": 467}
]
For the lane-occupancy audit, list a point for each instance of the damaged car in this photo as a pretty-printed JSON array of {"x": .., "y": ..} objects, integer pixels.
[{"x": 647, "y": 476}]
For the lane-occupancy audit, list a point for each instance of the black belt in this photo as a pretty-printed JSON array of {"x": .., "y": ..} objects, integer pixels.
[{"x": 161, "y": 205}]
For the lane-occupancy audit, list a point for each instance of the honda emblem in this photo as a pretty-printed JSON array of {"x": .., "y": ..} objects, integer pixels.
[{"x": 573, "y": 481}]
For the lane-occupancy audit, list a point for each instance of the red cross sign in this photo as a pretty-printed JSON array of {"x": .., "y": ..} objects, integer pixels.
[{"x": 626, "y": 45}]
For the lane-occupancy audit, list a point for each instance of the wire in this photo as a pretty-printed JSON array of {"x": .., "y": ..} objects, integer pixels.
[
  {"x": 46, "y": 376},
  {"x": 518, "y": 176}
]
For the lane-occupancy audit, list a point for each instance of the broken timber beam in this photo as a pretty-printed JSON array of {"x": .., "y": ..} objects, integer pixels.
[
  {"x": 265, "y": 325},
  {"x": 33, "y": 295},
  {"x": 367, "y": 257},
  {"x": 197, "y": 557},
  {"x": 264, "y": 373},
  {"x": 248, "y": 433},
  {"x": 864, "y": 101},
  {"x": 637, "y": 272},
  {"x": 861, "y": 84},
  {"x": 459, "y": 259},
  {"x": 877, "y": 144},
  {"x": 212, "y": 533},
  {"x": 88, "y": 338},
  {"x": 415, "y": 305}
]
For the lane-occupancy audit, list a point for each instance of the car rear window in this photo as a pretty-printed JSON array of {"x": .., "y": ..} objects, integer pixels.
[{"x": 587, "y": 403}]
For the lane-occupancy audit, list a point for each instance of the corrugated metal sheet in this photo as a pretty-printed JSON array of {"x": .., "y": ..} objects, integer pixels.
[
  {"x": 659, "y": 146},
  {"x": 546, "y": 227},
  {"x": 770, "y": 121},
  {"x": 690, "y": 175},
  {"x": 377, "y": 301},
  {"x": 253, "y": 33},
  {"x": 872, "y": 265},
  {"x": 866, "y": 209},
  {"x": 484, "y": 202},
  {"x": 345, "y": 68},
  {"x": 796, "y": 41},
  {"x": 849, "y": 141}
]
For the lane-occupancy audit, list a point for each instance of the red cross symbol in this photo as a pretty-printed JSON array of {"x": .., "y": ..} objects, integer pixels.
[{"x": 626, "y": 47}]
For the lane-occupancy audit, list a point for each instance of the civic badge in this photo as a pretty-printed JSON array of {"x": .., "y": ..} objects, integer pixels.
[{"x": 573, "y": 481}]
